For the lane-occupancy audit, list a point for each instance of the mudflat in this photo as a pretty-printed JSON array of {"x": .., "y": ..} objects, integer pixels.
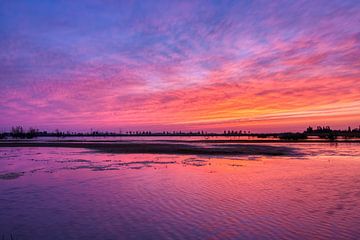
[{"x": 162, "y": 148}]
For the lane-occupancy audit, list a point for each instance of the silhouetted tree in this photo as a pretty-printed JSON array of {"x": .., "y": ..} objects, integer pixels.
[{"x": 17, "y": 132}]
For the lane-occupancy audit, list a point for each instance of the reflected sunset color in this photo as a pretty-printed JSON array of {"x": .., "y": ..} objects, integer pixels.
[
  {"x": 82, "y": 194},
  {"x": 162, "y": 119}
]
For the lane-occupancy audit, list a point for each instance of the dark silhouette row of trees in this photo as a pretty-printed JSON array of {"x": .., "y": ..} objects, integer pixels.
[
  {"x": 292, "y": 136},
  {"x": 236, "y": 133},
  {"x": 323, "y": 132},
  {"x": 326, "y": 132},
  {"x": 20, "y": 132},
  {"x": 327, "y": 129}
]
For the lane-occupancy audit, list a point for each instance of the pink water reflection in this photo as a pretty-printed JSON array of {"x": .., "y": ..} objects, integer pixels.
[{"x": 82, "y": 194}]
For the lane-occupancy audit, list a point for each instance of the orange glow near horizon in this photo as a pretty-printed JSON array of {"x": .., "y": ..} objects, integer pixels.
[{"x": 250, "y": 67}]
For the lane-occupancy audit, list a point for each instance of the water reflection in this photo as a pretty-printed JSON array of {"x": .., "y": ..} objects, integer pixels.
[{"x": 60, "y": 193}]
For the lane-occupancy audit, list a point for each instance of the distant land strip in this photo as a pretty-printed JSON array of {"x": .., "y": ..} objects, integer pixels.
[{"x": 162, "y": 148}]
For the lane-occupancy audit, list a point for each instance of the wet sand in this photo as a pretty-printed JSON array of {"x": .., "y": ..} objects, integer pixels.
[{"x": 162, "y": 148}]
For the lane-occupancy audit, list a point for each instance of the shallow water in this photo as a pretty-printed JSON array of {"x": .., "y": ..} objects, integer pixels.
[
  {"x": 63, "y": 193},
  {"x": 170, "y": 138}
]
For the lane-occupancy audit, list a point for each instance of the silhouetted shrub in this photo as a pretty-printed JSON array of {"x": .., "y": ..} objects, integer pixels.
[
  {"x": 292, "y": 136},
  {"x": 329, "y": 136},
  {"x": 18, "y": 132}
]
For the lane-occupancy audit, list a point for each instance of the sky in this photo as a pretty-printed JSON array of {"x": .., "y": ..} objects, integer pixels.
[{"x": 261, "y": 66}]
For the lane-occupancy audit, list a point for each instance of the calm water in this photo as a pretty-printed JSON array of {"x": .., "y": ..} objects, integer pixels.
[
  {"x": 59, "y": 193},
  {"x": 172, "y": 138}
]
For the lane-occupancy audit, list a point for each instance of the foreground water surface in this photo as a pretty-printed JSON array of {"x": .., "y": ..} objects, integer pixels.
[{"x": 74, "y": 193}]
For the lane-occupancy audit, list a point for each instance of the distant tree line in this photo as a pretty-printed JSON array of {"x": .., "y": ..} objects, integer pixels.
[
  {"x": 235, "y": 133},
  {"x": 323, "y": 132},
  {"x": 20, "y": 132},
  {"x": 326, "y": 132}
]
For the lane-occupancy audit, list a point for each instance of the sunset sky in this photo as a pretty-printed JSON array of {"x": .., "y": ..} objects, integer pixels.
[{"x": 207, "y": 65}]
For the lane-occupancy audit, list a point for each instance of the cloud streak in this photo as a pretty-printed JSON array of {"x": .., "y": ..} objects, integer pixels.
[{"x": 180, "y": 65}]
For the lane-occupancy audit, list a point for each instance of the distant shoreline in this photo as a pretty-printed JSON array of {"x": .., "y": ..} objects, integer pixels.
[
  {"x": 102, "y": 139},
  {"x": 319, "y": 133}
]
